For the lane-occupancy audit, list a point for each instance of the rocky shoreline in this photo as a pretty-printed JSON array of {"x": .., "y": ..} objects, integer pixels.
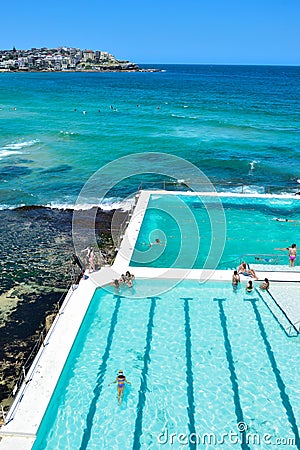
[
  {"x": 36, "y": 272},
  {"x": 102, "y": 70}
]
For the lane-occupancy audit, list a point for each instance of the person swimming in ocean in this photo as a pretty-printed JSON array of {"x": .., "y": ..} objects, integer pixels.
[
  {"x": 280, "y": 219},
  {"x": 121, "y": 380}
]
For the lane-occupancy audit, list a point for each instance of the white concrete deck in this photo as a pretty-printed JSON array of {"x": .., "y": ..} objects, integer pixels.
[
  {"x": 287, "y": 295},
  {"x": 32, "y": 400},
  {"x": 124, "y": 255},
  {"x": 222, "y": 194}
]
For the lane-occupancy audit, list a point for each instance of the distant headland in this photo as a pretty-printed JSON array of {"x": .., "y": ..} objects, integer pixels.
[{"x": 64, "y": 59}]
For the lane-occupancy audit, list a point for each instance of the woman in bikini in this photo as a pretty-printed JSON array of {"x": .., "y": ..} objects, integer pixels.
[
  {"x": 292, "y": 254},
  {"x": 121, "y": 380}
]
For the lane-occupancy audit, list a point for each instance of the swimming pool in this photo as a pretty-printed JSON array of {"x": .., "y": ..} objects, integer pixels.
[
  {"x": 202, "y": 359},
  {"x": 190, "y": 228}
]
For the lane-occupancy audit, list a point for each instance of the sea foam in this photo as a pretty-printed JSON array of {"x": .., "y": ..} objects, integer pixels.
[
  {"x": 15, "y": 148},
  {"x": 108, "y": 204}
]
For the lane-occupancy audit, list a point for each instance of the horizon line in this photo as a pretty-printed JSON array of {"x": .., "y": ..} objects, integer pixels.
[{"x": 221, "y": 64}]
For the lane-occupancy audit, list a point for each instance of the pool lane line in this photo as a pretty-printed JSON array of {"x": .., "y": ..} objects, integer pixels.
[
  {"x": 100, "y": 377},
  {"x": 189, "y": 373},
  {"x": 280, "y": 383},
  {"x": 138, "y": 429},
  {"x": 282, "y": 312},
  {"x": 233, "y": 376}
]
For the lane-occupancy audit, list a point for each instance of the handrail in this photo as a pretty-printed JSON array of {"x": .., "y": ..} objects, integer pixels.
[
  {"x": 257, "y": 256},
  {"x": 269, "y": 258},
  {"x": 296, "y": 323},
  {"x": 268, "y": 189},
  {"x": 292, "y": 326}
]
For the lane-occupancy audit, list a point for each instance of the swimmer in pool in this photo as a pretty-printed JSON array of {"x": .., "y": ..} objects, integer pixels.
[
  {"x": 156, "y": 242},
  {"x": 265, "y": 285},
  {"x": 249, "y": 287},
  {"x": 121, "y": 380},
  {"x": 235, "y": 279}
]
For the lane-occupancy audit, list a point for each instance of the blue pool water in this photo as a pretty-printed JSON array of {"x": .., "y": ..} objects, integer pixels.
[
  {"x": 193, "y": 232},
  {"x": 201, "y": 359}
]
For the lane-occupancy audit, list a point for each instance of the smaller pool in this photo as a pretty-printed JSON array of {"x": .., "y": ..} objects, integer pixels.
[
  {"x": 201, "y": 359},
  {"x": 190, "y": 228}
]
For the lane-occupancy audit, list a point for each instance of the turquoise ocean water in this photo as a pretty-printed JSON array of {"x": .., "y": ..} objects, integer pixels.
[{"x": 233, "y": 122}]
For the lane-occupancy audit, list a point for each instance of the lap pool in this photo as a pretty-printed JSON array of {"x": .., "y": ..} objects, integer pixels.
[
  {"x": 228, "y": 229},
  {"x": 202, "y": 359}
]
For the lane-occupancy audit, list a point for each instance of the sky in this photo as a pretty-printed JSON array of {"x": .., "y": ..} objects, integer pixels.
[{"x": 160, "y": 31}]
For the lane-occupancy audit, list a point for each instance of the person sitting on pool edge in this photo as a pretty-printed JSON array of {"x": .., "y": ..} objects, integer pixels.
[
  {"x": 249, "y": 286},
  {"x": 246, "y": 272},
  {"x": 129, "y": 275},
  {"x": 121, "y": 380},
  {"x": 265, "y": 285},
  {"x": 129, "y": 279}
]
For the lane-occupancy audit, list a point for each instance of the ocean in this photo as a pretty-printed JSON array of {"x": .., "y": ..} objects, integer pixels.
[{"x": 236, "y": 124}]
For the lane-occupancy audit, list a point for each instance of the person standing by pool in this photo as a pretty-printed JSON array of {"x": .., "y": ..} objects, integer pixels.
[
  {"x": 121, "y": 380},
  {"x": 292, "y": 254},
  {"x": 91, "y": 256}
]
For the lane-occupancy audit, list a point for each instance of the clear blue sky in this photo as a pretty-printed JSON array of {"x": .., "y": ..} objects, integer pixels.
[{"x": 160, "y": 31}]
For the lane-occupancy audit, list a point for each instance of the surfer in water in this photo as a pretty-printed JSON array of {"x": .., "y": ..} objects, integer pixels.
[{"x": 121, "y": 380}]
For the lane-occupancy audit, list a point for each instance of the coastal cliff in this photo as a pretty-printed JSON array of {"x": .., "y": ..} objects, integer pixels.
[{"x": 64, "y": 59}]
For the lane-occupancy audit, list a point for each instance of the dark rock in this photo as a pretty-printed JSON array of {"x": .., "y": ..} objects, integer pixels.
[{"x": 36, "y": 248}]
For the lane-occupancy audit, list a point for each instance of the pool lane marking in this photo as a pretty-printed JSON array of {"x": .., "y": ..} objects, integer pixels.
[
  {"x": 100, "y": 377},
  {"x": 231, "y": 367},
  {"x": 138, "y": 430},
  {"x": 189, "y": 373},
  {"x": 280, "y": 383}
]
